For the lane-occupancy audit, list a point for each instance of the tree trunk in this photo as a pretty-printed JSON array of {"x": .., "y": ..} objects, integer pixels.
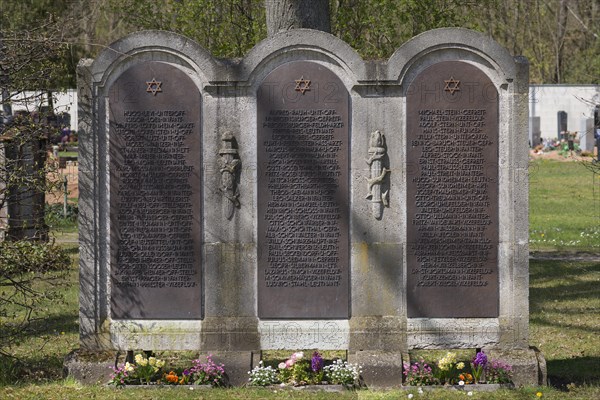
[
  {"x": 560, "y": 39},
  {"x": 284, "y": 15}
]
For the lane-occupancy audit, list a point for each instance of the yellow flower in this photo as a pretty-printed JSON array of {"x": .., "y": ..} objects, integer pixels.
[
  {"x": 152, "y": 361},
  {"x": 460, "y": 365},
  {"x": 539, "y": 394},
  {"x": 129, "y": 367}
]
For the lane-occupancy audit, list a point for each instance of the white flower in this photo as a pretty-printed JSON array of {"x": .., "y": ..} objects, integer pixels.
[
  {"x": 410, "y": 395},
  {"x": 129, "y": 367},
  {"x": 469, "y": 393},
  {"x": 420, "y": 391},
  {"x": 152, "y": 361},
  {"x": 461, "y": 383},
  {"x": 281, "y": 365}
]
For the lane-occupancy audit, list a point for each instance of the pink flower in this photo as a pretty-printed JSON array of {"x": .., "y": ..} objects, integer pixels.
[
  {"x": 282, "y": 365},
  {"x": 289, "y": 363}
]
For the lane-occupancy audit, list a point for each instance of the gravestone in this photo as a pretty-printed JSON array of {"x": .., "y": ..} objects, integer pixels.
[
  {"x": 302, "y": 198},
  {"x": 561, "y": 117},
  {"x": 535, "y": 134},
  {"x": 586, "y": 134},
  {"x": 24, "y": 203}
]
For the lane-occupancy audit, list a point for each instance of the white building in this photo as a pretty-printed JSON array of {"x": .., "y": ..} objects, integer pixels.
[
  {"x": 65, "y": 101},
  {"x": 578, "y": 101}
]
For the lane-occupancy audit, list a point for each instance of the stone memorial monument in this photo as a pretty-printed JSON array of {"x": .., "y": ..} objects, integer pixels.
[{"x": 303, "y": 198}]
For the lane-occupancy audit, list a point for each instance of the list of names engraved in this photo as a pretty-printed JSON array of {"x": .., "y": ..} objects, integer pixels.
[
  {"x": 156, "y": 249},
  {"x": 154, "y": 197},
  {"x": 303, "y": 235},
  {"x": 452, "y": 191},
  {"x": 302, "y": 215}
]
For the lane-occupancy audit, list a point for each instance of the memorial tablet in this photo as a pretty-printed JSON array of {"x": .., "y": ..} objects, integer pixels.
[
  {"x": 303, "y": 193},
  {"x": 452, "y": 193},
  {"x": 155, "y": 194}
]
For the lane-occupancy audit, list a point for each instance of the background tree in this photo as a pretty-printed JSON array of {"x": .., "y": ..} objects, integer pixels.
[
  {"x": 559, "y": 37},
  {"x": 31, "y": 57},
  {"x": 284, "y": 15},
  {"x": 377, "y": 28},
  {"x": 227, "y": 28}
]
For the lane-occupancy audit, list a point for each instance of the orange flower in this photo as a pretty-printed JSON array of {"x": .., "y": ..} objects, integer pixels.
[
  {"x": 172, "y": 377},
  {"x": 466, "y": 378}
]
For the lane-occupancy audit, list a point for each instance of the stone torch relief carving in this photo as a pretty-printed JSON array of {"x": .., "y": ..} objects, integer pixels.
[
  {"x": 377, "y": 153},
  {"x": 228, "y": 164}
]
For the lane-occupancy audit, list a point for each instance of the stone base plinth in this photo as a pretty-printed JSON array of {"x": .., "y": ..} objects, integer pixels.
[
  {"x": 379, "y": 369},
  {"x": 529, "y": 365},
  {"x": 89, "y": 367}
]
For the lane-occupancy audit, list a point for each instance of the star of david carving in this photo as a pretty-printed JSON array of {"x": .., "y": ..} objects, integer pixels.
[
  {"x": 153, "y": 86},
  {"x": 452, "y": 85},
  {"x": 302, "y": 85}
]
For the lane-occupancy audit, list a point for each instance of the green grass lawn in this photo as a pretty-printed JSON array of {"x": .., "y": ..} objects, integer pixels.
[
  {"x": 564, "y": 207},
  {"x": 564, "y": 314}
]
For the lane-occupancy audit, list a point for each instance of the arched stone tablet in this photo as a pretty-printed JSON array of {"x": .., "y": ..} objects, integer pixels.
[
  {"x": 452, "y": 193},
  {"x": 303, "y": 193},
  {"x": 155, "y": 194}
]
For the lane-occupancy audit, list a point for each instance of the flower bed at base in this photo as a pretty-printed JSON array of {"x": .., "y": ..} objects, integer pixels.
[
  {"x": 297, "y": 371},
  {"x": 149, "y": 372},
  {"x": 449, "y": 372}
]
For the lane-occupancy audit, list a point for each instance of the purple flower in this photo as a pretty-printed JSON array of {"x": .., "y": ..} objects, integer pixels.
[
  {"x": 316, "y": 362},
  {"x": 480, "y": 360}
]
